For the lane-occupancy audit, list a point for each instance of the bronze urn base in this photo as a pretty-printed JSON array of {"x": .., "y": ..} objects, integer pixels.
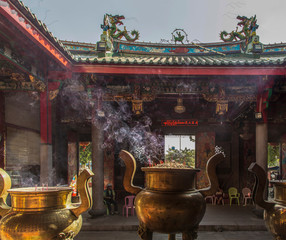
[
  {"x": 43, "y": 213},
  {"x": 169, "y": 203},
  {"x": 274, "y": 211}
]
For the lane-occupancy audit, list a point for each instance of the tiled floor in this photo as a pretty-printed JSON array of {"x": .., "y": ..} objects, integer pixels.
[
  {"x": 219, "y": 223},
  {"x": 128, "y": 235},
  {"x": 217, "y": 217}
]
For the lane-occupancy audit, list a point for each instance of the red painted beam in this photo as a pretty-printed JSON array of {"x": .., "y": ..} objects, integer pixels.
[
  {"x": 59, "y": 75},
  {"x": 161, "y": 70}
]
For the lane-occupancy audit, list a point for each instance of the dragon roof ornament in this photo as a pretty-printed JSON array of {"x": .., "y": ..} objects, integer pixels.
[
  {"x": 246, "y": 34},
  {"x": 248, "y": 29},
  {"x": 110, "y": 28}
]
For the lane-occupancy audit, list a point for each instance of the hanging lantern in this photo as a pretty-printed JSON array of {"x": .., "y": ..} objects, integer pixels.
[
  {"x": 221, "y": 107},
  {"x": 137, "y": 106},
  {"x": 179, "y": 108}
]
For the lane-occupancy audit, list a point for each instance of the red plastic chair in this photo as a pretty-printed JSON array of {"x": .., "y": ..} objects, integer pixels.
[{"x": 129, "y": 204}]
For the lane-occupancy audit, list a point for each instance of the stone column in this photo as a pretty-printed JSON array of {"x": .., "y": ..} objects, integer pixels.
[
  {"x": 61, "y": 150},
  {"x": 46, "y": 140},
  {"x": 261, "y": 145},
  {"x": 46, "y": 164},
  {"x": 72, "y": 155},
  {"x": 261, "y": 156},
  {"x": 235, "y": 159},
  {"x": 98, "y": 207}
]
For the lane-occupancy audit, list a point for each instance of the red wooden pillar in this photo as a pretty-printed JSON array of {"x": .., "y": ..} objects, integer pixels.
[
  {"x": 263, "y": 95},
  {"x": 261, "y": 132},
  {"x": 46, "y": 134},
  {"x": 2, "y": 130}
]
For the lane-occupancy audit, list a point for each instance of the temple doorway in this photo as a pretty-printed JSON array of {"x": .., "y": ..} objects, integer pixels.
[{"x": 180, "y": 148}]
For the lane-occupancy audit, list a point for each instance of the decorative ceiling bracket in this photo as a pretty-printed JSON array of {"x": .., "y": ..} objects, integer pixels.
[{"x": 38, "y": 84}]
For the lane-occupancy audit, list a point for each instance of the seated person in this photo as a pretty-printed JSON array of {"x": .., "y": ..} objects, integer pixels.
[
  {"x": 219, "y": 196},
  {"x": 109, "y": 197}
]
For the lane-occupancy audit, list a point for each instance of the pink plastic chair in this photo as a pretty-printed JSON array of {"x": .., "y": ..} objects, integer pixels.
[
  {"x": 129, "y": 204},
  {"x": 246, "y": 192}
]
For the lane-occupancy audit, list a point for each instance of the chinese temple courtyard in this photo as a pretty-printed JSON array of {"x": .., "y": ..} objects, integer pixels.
[{"x": 170, "y": 124}]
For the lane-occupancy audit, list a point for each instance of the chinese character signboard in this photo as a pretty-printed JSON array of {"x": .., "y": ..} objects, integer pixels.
[{"x": 177, "y": 123}]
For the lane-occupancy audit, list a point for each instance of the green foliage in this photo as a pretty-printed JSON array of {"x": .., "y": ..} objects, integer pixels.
[
  {"x": 84, "y": 153},
  {"x": 192, "y": 138},
  {"x": 185, "y": 156},
  {"x": 273, "y": 155}
]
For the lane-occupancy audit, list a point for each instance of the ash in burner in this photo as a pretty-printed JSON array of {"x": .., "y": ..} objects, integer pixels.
[{"x": 172, "y": 165}]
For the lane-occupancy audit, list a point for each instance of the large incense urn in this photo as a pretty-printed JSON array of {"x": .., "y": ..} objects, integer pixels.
[
  {"x": 169, "y": 203},
  {"x": 274, "y": 212},
  {"x": 42, "y": 213}
]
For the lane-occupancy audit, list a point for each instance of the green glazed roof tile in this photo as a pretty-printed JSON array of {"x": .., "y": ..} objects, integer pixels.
[{"x": 210, "y": 60}]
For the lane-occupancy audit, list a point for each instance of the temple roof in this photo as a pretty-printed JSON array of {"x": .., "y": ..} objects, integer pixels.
[
  {"x": 41, "y": 27},
  {"x": 143, "y": 53}
]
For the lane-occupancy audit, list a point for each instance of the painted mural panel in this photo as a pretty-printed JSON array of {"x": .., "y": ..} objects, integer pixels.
[
  {"x": 205, "y": 148},
  {"x": 175, "y": 49}
]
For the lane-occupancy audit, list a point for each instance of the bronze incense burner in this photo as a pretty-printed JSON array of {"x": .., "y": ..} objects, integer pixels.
[
  {"x": 169, "y": 203},
  {"x": 274, "y": 212},
  {"x": 42, "y": 213}
]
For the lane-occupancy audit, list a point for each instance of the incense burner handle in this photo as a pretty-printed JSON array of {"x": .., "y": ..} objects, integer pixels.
[
  {"x": 130, "y": 164},
  {"x": 211, "y": 174},
  {"x": 5, "y": 184},
  {"x": 259, "y": 186},
  {"x": 83, "y": 192}
]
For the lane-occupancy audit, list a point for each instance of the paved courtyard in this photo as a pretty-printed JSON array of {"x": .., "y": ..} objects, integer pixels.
[
  {"x": 132, "y": 235},
  {"x": 219, "y": 223}
]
